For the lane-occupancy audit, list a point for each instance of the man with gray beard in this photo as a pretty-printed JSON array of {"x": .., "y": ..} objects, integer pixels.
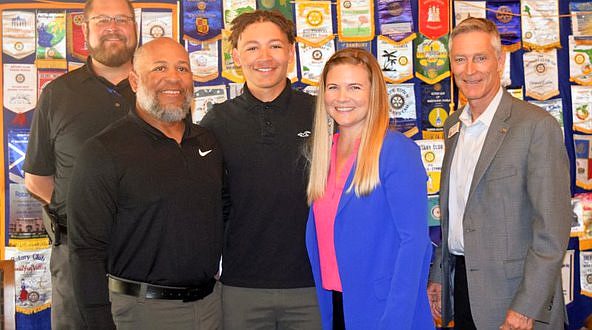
[
  {"x": 145, "y": 208},
  {"x": 70, "y": 110}
]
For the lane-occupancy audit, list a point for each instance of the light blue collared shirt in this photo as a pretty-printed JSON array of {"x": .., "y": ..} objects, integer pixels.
[{"x": 468, "y": 149}]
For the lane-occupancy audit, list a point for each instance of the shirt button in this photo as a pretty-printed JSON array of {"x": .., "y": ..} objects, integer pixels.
[
  {"x": 268, "y": 123},
  {"x": 117, "y": 104}
]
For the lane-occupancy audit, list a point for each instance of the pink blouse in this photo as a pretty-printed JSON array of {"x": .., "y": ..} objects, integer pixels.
[{"x": 325, "y": 210}]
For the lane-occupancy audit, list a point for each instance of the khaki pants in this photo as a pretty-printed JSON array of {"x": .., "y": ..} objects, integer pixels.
[
  {"x": 270, "y": 309},
  {"x": 65, "y": 314},
  {"x": 160, "y": 314}
]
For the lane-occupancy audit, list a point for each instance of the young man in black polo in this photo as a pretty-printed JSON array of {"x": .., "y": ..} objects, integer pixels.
[{"x": 266, "y": 276}]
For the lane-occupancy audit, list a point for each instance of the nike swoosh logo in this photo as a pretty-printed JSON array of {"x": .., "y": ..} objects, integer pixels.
[{"x": 204, "y": 153}]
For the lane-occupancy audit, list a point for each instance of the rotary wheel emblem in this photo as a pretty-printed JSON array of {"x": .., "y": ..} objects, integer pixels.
[
  {"x": 314, "y": 18},
  {"x": 397, "y": 101}
]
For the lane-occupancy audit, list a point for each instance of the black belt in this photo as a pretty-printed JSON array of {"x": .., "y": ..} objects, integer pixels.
[{"x": 187, "y": 294}]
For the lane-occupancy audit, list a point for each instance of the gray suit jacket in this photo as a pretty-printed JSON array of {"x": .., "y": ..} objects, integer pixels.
[{"x": 516, "y": 222}]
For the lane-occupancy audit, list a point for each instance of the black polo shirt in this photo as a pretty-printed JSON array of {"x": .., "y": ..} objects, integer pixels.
[
  {"x": 144, "y": 208},
  {"x": 266, "y": 174},
  {"x": 71, "y": 109}
]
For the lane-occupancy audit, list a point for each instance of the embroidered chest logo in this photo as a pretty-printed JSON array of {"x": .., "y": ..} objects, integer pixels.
[{"x": 203, "y": 153}]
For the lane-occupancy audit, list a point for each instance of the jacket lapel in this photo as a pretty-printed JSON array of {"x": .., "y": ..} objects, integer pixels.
[
  {"x": 494, "y": 139},
  {"x": 450, "y": 138}
]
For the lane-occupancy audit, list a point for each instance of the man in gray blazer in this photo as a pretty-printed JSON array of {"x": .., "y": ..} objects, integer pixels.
[{"x": 505, "y": 200}]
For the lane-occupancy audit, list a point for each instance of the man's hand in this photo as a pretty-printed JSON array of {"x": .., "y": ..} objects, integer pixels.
[
  {"x": 517, "y": 321},
  {"x": 435, "y": 297}
]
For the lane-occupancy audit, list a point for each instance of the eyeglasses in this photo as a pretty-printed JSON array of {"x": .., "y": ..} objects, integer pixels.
[{"x": 104, "y": 20}]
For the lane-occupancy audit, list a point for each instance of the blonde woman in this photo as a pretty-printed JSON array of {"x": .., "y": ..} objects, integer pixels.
[{"x": 367, "y": 233}]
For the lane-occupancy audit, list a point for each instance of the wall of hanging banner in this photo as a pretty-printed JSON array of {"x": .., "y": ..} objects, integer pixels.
[{"x": 549, "y": 63}]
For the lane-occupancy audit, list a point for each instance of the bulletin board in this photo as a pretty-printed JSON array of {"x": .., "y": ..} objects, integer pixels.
[{"x": 549, "y": 46}]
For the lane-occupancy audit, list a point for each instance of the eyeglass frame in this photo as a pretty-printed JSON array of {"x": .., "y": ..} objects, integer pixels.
[{"x": 120, "y": 20}]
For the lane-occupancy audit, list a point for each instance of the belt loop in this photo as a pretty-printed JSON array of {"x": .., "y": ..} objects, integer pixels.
[{"x": 142, "y": 294}]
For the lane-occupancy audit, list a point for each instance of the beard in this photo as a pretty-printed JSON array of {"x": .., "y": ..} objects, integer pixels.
[
  {"x": 169, "y": 113},
  {"x": 112, "y": 56}
]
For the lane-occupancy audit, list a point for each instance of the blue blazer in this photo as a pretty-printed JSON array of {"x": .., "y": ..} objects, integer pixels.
[{"x": 382, "y": 246}]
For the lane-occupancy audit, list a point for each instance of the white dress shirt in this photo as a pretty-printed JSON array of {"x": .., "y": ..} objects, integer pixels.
[{"x": 468, "y": 149}]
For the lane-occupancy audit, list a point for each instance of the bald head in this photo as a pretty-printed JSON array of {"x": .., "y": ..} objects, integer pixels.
[{"x": 156, "y": 47}]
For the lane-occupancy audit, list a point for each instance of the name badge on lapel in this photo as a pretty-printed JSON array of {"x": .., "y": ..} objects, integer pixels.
[{"x": 453, "y": 130}]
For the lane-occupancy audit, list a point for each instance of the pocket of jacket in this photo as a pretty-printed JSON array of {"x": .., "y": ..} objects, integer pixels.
[{"x": 502, "y": 173}]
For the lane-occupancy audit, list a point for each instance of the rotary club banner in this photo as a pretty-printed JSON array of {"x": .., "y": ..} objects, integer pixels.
[
  {"x": 312, "y": 90},
  {"x": 51, "y": 35},
  {"x": 204, "y": 60},
  {"x": 433, "y": 18},
  {"x": 32, "y": 279},
  {"x": 466, "y": 9},
  {"x": 581, "y": 19},
  {"x": 577, "y": 228},
  {"x": 506, "y": 16},
  {"x": 582, "y": 208},
  {"x": 202, "y": 20},
  {"x": 283, "y": 6},
  {"x": 516, "y": 92},
  {"x": 506, "y": 74},
  {"x": 402, "y": 110},
  {"x": 434, "y": 213},
  {"x": 583, "y": 155},
  {"x": 18, "y": 33},
  {"x": 234, "y": 90},
  {"x": 25, "y": 220},
  {"x": 395, "y": 20},
  {"x": 312, "y": 60},
  {"x": 20, "y": 90},
  {"x": 45, "y": 76},
  {"x": 540, "y": 24},
  {"x": 554, "y": 107},
  {"x": 233, "y": 8},
  {"x": 580, "y": 62},
  {"x": 355, "y": 20},
  {"x": 230, "y": 70},
  {"x": 75, "y": 36},
  {"x": 431, "y": 59},
  {"x": 204, "y": 97},
  {"x": 432, "y": 155},
  {"x": 581, "y": 103},
  {"x": 395, "y": 59},
  {"x": 314, "y": 22},
  {"x": 586, "y": 273},
  {"x": 541, "y": 78},
  {"x": 435, "y": 107},
  {"x": 156, "y": 24},
  {"x": 292, "y": 70},
  {"x": 567, "y": 276},
  {"x": 367, "y": 45}
]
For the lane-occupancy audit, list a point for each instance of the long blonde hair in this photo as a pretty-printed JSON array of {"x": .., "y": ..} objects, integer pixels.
[{"x": 366, "y": 176}]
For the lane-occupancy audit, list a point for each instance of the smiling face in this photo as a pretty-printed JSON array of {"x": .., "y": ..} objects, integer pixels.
[
  {"x": 476, "y": 67},
  {"x": 347, "y": 96},
  {"x": 162, "y": 80},
  {"x": 111, "y": 44},
  {"x": 264, "y": 53}
]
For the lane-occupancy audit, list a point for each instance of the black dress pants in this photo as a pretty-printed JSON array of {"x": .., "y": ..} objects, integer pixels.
[
  {"x": 338, "y": 319},
  {"x": 463, "y": 319}
]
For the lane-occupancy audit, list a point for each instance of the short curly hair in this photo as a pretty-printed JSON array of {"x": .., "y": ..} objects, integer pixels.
[{"x": 240, "y": 23}]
